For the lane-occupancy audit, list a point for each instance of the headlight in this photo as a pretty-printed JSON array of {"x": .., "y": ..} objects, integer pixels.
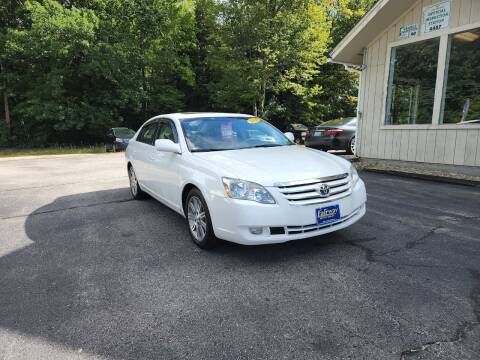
[
  {"x": 354, "y": 175},
  {"x": 246, "y": 190}
]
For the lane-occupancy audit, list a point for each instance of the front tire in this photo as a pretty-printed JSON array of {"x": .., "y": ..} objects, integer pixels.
[
  {"x": 136, "y": 191},
  {"x": 199, "y": 221}
]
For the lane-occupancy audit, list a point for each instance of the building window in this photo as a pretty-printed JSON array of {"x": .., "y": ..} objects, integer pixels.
[
  {"x": 461, "y": 90},
  {"x": 411, "y": 83}
]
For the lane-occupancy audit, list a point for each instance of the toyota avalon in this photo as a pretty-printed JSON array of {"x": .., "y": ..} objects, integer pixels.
[{"x": 236, "y": 177}]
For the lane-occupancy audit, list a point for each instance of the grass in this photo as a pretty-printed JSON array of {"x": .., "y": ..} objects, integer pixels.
[{"x": 54, "y": 150}]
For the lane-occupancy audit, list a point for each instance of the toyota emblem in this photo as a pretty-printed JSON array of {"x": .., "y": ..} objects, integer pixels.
[{"x": 324, "y": 190}]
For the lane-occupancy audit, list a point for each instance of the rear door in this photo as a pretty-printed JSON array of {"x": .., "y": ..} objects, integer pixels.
[
  {"x": 164, "y": 167},
  {"x": 143, "y": 153}
]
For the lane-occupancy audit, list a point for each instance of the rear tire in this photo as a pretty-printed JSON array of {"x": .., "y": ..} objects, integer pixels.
[
  {"x": 198, "y": 220},
  {"x": 351, "y": 146},
  {"x": 135, "y": 190}
]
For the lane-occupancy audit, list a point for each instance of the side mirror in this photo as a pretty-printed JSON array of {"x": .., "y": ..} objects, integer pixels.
[
  {"x": 290, "y": 136},
  {"x": 166, "y": 145}
]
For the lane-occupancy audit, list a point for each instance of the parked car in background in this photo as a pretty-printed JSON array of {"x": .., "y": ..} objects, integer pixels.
[
  {"x": 333, "y": 135},
  {"x": 238, "y": 178},
  {"x": 299, "y": 131},
  {"x": 118, "y": 138}
]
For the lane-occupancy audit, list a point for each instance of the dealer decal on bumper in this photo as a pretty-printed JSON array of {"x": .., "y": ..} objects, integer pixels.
[{"x": 327, "y": 215}]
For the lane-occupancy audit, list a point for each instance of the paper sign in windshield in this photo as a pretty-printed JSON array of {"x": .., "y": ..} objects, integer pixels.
[{"x": 227, "y": 131}]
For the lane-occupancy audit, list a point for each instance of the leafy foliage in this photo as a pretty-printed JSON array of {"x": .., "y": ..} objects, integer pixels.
[{"x": 71, "y": 69}]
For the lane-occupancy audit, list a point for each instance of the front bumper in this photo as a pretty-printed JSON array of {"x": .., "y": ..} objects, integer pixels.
[{"x": 232, "y": 219}]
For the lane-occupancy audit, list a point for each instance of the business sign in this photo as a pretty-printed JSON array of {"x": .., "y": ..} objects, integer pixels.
[
  {"x": 436, "y": 17},
  {"x": 408, "y": 31}
]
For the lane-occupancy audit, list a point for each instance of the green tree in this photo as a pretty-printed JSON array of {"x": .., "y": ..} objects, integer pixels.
[
  {"x": 337, "y": 87},
  {"x": 266, "y": 49},
  {"x": 71, "y": 69},
  {"x": 78, "y": 70},
  {"x": 207, "y": 40},
  {"x": 43, "y": 61},
  {"x": 12, "y": 15}
]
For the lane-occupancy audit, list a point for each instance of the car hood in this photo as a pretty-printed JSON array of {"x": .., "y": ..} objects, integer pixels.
[{"x": 267, "y": 166}]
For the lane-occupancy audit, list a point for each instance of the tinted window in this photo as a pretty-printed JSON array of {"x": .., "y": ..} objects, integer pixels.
[
  {"x": 461, "y": 101},
  {"x": 166, "y": 130},
  {"x": 411, "y": 84},
  {"x": 147, "y": 135},
  {"x": 340, "y": 122},
  {"x": 124, "y": 133}
]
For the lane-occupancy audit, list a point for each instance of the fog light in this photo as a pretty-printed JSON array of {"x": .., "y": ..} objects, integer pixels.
[{"x": 256, "y": 230}]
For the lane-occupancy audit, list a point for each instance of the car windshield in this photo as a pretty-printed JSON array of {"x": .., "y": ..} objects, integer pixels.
[
  {"x": 230, "y": 133},
  {"x": 340, "y": 122},
  {"x": 124, "y": 133}
]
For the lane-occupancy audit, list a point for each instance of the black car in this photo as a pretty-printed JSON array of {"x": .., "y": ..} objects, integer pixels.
[
  {"x": 118, "y": 138},
  {"x": 334, "y": 135},
  {"x": 299, "y": 132}
]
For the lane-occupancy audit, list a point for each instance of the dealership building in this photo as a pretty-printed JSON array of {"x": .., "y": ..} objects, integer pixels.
[{"x": 419, "y": 96}]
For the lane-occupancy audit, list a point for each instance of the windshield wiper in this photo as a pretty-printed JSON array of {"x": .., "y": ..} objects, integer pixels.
[
  {"x": 208, "y": 150},
  {"x": 266, "y": 145}
]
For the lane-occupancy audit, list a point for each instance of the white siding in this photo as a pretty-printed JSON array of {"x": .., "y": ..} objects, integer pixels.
[
  {"x": 448, "y": 145},
  {"x": 471, "y": 147}
]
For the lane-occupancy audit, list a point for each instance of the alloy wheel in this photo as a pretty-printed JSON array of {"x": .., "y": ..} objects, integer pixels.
[
  {"x": 133, "y": 182},
  {"x": 197, "y": 219},
  {"x": 352, "y": 145}
]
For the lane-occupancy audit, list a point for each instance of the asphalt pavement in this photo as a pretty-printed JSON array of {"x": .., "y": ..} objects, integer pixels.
[{"x": 88, "y": 273}]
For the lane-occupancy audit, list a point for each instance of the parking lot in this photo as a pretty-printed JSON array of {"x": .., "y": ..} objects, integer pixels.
[{"x": 88, "y": 273}]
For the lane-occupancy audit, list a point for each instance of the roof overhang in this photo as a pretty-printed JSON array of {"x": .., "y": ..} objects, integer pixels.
[{"x": 350, "y": 50}]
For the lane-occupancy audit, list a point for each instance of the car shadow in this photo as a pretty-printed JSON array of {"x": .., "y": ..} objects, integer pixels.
[{"x": 112, "y": 276}]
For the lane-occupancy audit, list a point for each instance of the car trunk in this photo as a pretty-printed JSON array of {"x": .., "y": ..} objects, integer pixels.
[{"x": 326, "y": 132}]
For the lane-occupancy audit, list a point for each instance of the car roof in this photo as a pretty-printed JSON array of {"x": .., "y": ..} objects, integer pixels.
[
  {"x": 346, "y": 120},
  {"x": 195, "y": 115}
]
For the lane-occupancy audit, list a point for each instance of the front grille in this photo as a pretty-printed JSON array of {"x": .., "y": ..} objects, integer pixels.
[{"x": 307, "y": 192}]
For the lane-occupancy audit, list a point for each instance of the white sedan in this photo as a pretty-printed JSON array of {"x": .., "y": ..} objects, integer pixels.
[{"x": 236, "y": 177}]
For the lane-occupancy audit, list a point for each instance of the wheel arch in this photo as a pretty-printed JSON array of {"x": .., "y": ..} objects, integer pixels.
[{"x": 186, "y": 189}]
